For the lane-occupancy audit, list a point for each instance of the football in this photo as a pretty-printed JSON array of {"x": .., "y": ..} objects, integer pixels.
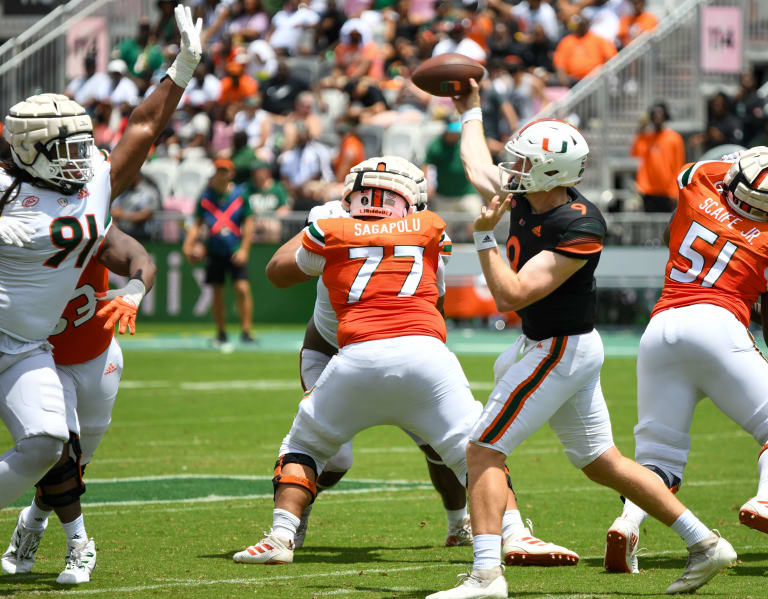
[{"x": 447, "y": 74}]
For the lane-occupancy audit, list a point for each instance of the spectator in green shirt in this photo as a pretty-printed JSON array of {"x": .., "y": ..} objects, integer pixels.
[
  {"x": 453, "y": 192},
  {"x": 242, "y": 157},
  {"x": 268, "y": 200},
  {"x": 141, "y": 54}
]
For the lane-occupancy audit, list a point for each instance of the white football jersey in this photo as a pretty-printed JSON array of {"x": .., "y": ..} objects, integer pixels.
[
  {"x": 37, "y": 281},
  {"x": 324, "y": 315}
]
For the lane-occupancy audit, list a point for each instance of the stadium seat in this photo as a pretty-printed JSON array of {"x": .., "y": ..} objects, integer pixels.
[
  {"x": 405, "y": 141},
  {"x": 162, "y": 171},
  {"x": 371, "y": 136},
  {"x": 336, "y": 102},
  {"x": 192, "y": 176}
]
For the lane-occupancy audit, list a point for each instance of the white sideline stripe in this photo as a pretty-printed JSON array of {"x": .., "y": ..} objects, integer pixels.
[
  {"x": 246, "y": 581},
  {"x": 246, "y": 384},
  {"x": 331, "y": 493}
]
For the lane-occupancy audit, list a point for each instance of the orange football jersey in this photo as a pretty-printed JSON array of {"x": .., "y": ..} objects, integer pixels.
[
  {"x": 381, "y": 275},
  {"x": 716, "y": 256},
  {"x": 80, "y": 335}
]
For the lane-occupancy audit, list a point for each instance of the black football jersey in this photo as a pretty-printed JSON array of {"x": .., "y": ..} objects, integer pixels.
[{"x": 575, "y": 229}]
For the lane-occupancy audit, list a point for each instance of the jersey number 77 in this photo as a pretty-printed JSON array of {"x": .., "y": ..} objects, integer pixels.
[{"x": 373, "y": 256}]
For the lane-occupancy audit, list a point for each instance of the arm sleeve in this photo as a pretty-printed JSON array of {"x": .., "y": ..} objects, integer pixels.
[
  {"x": 309, "y": 263},
  {"x": 446, "y": 248},
  {"x": 581, "y": 238},
  {"x": 440, "y": 277}
]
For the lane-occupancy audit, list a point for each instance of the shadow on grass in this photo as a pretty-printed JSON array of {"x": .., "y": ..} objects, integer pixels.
[
  {"x": 350, "y": 555},
  {"x": 15, "y": 584}
]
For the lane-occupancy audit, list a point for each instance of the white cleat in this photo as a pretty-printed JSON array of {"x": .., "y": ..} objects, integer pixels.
[
  {"x": 301, "y": 530},
  {"x": 621, "y": 547},
  {"x": 478, "y": 584},
  {"x": 79, "y": 563},
  {"x": 270, "y": 550},
  {"x": 706, "y": 559},
  {"x": 527, "y": 550},
  {"x": 20, "y": 555},
  {"x": 754, "y": 514},
  {"x": 461, "y": 536}
]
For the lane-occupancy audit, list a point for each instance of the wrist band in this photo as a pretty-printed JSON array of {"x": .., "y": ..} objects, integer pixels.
[
  {"x": 473, "y": 114},
  {"x": 484, "y": 240}
]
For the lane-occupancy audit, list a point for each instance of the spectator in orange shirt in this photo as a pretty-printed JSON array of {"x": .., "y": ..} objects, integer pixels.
[
  {"x": 580, "y": 52},
  {"x": 237, "y": 85},
  {"x": 351, "y": 149},
  {"x": 662, "y": 155},
  {"x": 357, "y": 55},
  {"x": 630, "y": 26}
]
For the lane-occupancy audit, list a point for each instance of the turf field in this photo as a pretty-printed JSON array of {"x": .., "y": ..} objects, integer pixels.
[{"x": 182, "y": 481}]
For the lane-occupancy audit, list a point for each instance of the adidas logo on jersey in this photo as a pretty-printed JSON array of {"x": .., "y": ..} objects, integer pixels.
[
  {"x": 536, "y": 230},
  {"x": 110, "y": 369}
]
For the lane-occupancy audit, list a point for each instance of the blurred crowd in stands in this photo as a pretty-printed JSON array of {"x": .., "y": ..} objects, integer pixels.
[{"x": 294, "y": 94}]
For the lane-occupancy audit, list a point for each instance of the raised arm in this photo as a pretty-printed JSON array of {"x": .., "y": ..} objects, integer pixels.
[
  {"x": 150, "y": 117},
  {"x": 475, "y": 156}
]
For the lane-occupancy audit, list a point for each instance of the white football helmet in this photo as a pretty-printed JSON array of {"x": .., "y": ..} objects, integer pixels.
[
  {"x": 746, "y": 184},
  {"x": 51, "y": 137},
  {"x": 548, "y": 153},
  {"x": 392, "y": 177}
]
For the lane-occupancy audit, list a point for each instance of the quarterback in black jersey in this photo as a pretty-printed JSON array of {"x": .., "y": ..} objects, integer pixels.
[{"x": 554, "y": 246}]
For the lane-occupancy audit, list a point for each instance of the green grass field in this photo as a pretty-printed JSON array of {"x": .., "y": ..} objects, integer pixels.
[{"x": 182, "y": 481}]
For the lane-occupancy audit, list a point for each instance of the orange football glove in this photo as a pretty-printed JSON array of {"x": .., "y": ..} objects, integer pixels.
[
  {"x": 123, "y": 306},
  {"x": 119, "y": 311}
]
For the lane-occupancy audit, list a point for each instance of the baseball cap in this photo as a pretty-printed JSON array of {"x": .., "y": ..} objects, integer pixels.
[
  {"x": 453, "y": 127},
  {"x": 224, "y": 163},
  {"x": 257, "y": 164},
  {"x": 117, "y": 66}
]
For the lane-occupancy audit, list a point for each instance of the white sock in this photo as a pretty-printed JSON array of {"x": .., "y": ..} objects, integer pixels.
[
  {"x": 75, "y": 530},
  {"x": 690, "y": 528},
  {"x": 511, "y": 524},
  {"x": 284, "y": 524},
  {"x": 35, "y": 517},
  {"x": 487, "y": 550},
  {"x": 456, "y": 518},
  {"x": 762, "y": 468},
  {"x": 634, "y": 513}
]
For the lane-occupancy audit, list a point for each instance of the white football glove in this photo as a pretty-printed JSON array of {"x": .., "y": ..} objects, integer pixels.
[
  {"x": 331, "y": 209},
  {"x": 191, "y": 49},
  {"x": 15, "y": 232}
]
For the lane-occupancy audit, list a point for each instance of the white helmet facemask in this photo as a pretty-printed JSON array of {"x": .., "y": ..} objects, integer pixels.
[
  {"x": 51, "y": 138},
  {"x": 547, "y": 153},
  {"x": 746, "y": 184},
  {"x": 386, "y": 174},
  {"x": 377, "y": 203}
]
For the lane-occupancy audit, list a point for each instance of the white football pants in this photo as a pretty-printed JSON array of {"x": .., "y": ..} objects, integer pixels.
[
  {"x": 685, "y": 354},
  {"x": 413, "y": 382},
  {"x": 557, "y": 380}
]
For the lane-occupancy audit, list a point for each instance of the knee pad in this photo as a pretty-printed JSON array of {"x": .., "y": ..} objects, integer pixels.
[
  {"x": 673, "y": 482},
  {"x": 289, "y": 479},
  {"x": 662, "y": 446},
  {"x": 509, "y": 481},
  {"x": 38, "y": 454},
  {"x": 327, "y": 479},
  {"x": 63, "y": 484}
]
